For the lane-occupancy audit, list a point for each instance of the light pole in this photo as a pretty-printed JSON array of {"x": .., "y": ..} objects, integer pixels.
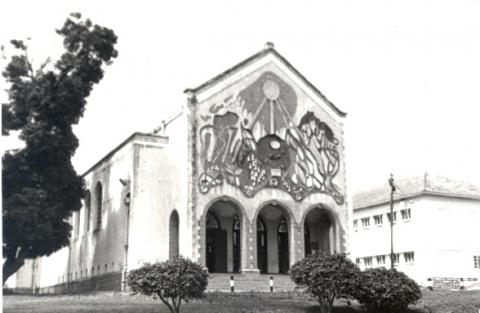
[{"x": 392, "y": 190}]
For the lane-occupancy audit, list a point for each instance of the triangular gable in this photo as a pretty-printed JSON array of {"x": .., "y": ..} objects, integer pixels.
[
  {"x": 269, "y": 54},
  {"x": 261, "y": 124}
]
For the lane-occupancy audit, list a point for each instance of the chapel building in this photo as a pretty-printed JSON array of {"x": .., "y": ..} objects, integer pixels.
[{"x": 248, "y": 177}]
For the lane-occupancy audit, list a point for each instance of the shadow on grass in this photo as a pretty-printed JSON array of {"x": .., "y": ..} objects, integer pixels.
[
  {"x": 356, "y": 308},
  {"x": 335, "y": 309}
]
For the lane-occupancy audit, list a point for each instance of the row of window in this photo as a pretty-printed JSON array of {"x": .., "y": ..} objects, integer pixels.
[
  {"x": 476, "y": 261},
  {"x": 380, "y": 260},
  {"x": 85, "y": 273},
  {"x": 97, "y": 201},
  {"x": 378, "y": 219},
  {"x": 173, "y": 253}
]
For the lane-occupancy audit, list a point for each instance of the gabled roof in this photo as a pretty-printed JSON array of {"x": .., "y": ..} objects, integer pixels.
[
  {"x": 414, "y": 186},
  {"x": 269, "y": 49},
  {"x": 120, "y": 146}
]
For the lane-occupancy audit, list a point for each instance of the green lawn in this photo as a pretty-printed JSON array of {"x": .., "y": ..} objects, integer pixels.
[{"x": 432, "y": 301}]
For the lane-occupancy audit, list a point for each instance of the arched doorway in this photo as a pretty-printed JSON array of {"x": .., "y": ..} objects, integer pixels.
[
  {"x": 216, "y": 245},
  {"x": 319, "y": 231},
  {"x": 273, "y": 237},
  {"x": 262, "y": 254},
  {"x": 173, "y": 235},
  {"x": 223, "y": 223},
  {"x": 308, "y": 247},
  {"x": 283, "y": 251},
  {"x": 236, "y": 243}
]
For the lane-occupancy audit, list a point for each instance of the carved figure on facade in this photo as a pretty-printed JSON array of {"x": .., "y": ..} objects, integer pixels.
[{"x": 251, "y": 141}]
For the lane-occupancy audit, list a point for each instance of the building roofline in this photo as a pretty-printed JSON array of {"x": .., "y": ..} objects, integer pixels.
[
  {"x": 268, "y": 49},
  {"x": 418, "y": 194},
  {"x": 117, "y": 148}
]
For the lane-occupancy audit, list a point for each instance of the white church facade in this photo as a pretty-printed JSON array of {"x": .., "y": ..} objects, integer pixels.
[{"x": 248, "y": 178}]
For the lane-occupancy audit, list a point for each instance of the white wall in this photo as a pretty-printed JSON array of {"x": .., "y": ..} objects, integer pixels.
[
  {"x": 443, "y": 233},
  {"x": 450, "y": 237},
  {"x": 160, "y": 187},
  {"x": 54, "y": 268}
]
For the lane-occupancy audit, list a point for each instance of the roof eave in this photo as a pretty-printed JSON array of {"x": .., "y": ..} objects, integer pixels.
[
  {"x": 259, "y": 54},
  {"x": 417, "y": 194},
  {"x": 117, "y": 148},
  {"x": 233, "y": 69}
]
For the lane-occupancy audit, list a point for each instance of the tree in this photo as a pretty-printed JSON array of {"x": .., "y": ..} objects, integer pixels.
[
  {"x": 40, "y": 186},
  {"x": 172, "y": 281},
  {"x": 326, "y": 277},
  {"x": 382, "y": 290}
]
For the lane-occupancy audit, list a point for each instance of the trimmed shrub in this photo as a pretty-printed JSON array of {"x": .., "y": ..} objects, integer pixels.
[
  {"x": 171, "y": 281},
  {"x": 386, "y": 290},
  {"x": 326, "y": 277}
]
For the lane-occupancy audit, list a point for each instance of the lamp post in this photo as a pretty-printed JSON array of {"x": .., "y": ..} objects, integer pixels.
[{"x": 391, "y": 182}]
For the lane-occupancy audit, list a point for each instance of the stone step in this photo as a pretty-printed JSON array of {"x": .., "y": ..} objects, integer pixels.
[{"x": 249, "y": 282}]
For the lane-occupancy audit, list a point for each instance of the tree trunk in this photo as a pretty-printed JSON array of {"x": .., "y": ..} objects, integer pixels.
[
  {"x": 326, "y": 303},
  {"x": 12, "y": 264},
  {"x": 165, "y": 301},
  {"x": 325, "y": 308},
  {"x": 177, "y": 305}
]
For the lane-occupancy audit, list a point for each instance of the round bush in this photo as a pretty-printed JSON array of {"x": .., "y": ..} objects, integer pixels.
[
  {"x": 386, "y": 290},
  {"x": 326, "y": 277},
  {"x": 170, "y": 281}
]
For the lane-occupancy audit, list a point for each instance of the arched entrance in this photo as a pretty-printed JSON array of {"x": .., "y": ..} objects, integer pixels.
[
  {"x": 223, "y": 223},
  {"x": 236, "y": 243},
  {"x": 273, "y": 238},
  {"x": 173, "y": 235},
  {"x": 308, "y": 247},
  {"x": 262, "y": 256},
  {"x": 319, "y": 231},
  {"x": 283, "y": 251}
]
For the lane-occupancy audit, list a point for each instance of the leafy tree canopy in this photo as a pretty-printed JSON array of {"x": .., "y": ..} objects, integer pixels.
[{"x": 40, "y": 186}]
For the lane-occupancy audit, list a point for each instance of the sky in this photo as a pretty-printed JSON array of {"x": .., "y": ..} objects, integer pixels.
[{"x": 406, "y": 72}]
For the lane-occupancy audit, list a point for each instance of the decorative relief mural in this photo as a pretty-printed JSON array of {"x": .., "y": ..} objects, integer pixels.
[{"x": 252, "y": 141}]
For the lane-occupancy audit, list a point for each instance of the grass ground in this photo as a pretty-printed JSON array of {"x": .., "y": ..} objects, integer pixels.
[{"x": 432, "y": 301}]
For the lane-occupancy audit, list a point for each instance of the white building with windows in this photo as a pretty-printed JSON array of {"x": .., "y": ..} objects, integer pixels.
[{"x": 436, "y": 233}]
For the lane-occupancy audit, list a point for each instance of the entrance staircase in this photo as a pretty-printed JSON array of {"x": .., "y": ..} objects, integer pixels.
[{"x": 249, "y": 282}]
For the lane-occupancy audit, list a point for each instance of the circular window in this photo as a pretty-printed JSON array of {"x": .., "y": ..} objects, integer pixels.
[
  {"x": 274, "y": 144},
  {"x": 271, "y": 90}
]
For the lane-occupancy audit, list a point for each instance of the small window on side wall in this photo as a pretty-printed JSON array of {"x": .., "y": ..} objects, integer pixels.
[
  {"x": 394, "y": 217},
  {"x": 405, "y": 214},
  {"x": 409, "y": 257},
  {"x": 87, "y": 210},
  {"x": 396, "y": 258},
  {"x": 174, "y": 235},
  {"x": 380, "y": 260},
  {"x": 98, "y": 202},
  {"x": 365, "y": 222},
  {"x": 368, "y": 262}
]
